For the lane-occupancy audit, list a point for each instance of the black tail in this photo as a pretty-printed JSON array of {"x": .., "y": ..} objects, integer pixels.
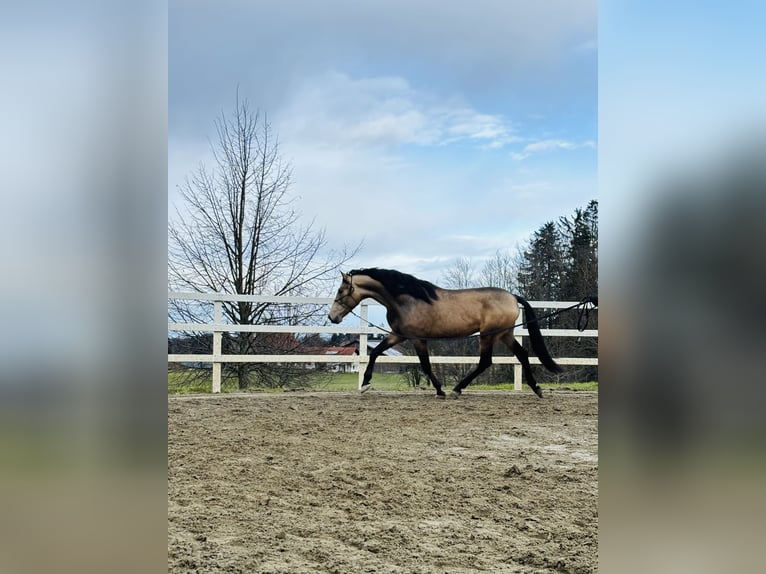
[{"x": 536, "y": 337}]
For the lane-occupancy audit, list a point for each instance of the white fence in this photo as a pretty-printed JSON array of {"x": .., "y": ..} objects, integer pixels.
[{"x": 218, "y": 327}]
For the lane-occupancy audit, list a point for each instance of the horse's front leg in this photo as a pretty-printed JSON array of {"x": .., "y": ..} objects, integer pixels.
[
  {"x": 383, "y": 346},
  {"x": 425, "y": 363}
]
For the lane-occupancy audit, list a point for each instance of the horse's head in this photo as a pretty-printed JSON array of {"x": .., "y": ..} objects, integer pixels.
[{"x": 345, "y": 300}]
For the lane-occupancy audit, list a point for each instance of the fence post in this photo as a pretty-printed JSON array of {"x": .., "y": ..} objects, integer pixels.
[
  {"x": 362, "y": 361},
  {"x": 217, "y": 319}
]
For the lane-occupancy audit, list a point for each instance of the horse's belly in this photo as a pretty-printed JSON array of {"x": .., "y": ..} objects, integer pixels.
[{"x": 438, "y": 326}]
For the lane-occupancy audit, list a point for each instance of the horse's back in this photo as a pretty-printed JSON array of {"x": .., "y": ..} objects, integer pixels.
[
  {"x": 485, "y": 296},
  {"x": 466, "y": 311}
]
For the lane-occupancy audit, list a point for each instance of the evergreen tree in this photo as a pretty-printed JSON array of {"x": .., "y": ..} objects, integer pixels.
[
  {"x": 581, "y": 235},
  {"x": 543, "y": 266},
  {"x": 560, "y": 263}
]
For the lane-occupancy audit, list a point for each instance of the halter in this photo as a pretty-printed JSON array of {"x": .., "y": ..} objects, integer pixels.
[{"x": 350, "y": 291}]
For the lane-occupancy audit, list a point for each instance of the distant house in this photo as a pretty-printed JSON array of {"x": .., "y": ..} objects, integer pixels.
[
  {"x": 332, "y": 351},
  {"x": 349, "y": 351},
  {"x": 392, "y": 352}
]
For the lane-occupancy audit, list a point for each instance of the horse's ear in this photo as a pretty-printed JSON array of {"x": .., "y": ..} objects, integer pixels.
[{"x": 346, "y": 277}]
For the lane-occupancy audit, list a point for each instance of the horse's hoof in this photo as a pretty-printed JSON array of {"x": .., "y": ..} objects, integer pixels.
[
  {"x": 441, "y": 396},
  {"x": 538, "y": 392},
  {"x": 364, "y": 388},
  {"x": 454, "y": 395}
]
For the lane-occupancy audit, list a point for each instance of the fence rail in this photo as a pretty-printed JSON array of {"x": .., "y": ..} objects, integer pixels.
[{"x": 217, "y": 327}]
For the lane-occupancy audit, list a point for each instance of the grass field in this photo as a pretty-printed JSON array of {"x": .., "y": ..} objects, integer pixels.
[{"x": 178, "y": 384}]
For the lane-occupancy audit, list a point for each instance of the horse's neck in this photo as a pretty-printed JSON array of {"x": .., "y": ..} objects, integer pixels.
[{"x": 368, "y": 287}]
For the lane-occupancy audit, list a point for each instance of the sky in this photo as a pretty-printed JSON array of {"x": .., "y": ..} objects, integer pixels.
[{"x": 426, "y": 130}]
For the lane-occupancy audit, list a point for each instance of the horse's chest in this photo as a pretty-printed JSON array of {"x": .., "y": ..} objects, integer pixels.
[{"x": 409, "y": 322}]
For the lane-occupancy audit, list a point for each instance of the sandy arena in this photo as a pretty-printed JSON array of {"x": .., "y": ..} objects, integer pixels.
[{"x": 383, "y": 482}]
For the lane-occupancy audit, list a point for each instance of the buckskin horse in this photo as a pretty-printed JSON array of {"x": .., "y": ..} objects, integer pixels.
[{"x": 418, "y": 310}]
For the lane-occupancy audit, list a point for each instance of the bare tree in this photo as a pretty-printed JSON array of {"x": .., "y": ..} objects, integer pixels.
[
  {"x": 459, "y": 275},
  {"x": 501, "y": 270},
  {"x": 238, "y": 232}
]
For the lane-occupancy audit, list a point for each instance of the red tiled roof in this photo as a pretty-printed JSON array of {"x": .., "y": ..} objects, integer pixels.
[
  {"x": 337, "y": 351},
  {"x": 344, "y": 351}
]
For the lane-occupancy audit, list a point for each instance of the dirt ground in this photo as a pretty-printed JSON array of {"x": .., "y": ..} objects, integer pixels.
[{"x": 383, "y": 482}]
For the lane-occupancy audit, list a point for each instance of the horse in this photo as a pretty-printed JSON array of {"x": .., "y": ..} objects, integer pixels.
[{"x": 418, "y": 310}]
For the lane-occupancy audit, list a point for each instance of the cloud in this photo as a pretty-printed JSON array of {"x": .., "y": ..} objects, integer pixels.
[
  {"x": 481, "y": 49},
  {"x": 544, "y": 146},
  {"x": 338, "y": 110},
  {"x": 491, "y": 131}
]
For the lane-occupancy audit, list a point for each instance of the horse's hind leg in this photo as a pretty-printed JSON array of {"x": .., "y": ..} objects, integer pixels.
[
  {"x": 523, "y": 357},
  {"x": 485, "y": 361},
  {"x": 425, "y": 363}
]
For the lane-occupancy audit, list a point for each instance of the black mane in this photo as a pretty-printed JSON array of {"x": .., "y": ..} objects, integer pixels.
[{"x": 398, "y": 283}]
